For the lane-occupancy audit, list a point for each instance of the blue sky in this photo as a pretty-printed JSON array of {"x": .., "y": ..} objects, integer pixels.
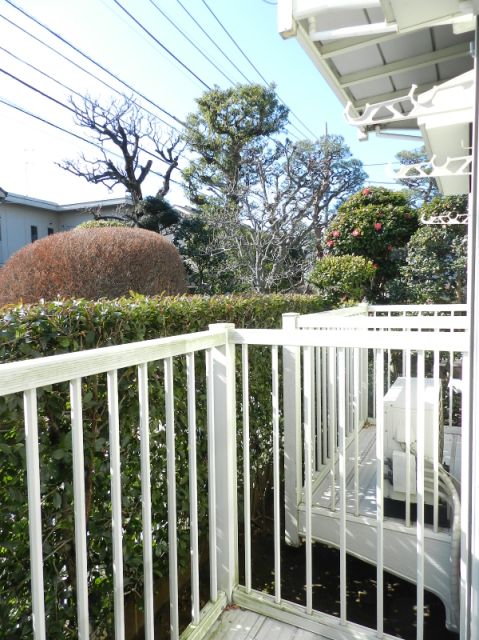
[{"x": 100, "y": 28}]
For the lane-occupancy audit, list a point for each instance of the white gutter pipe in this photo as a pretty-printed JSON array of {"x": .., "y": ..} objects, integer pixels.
[
  {"x": 307, "y": 8},
  {"x": 377, "y": 28}
]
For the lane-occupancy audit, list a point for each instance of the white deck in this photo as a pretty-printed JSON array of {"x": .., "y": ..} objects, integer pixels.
[
  {"x": 238, "y": 624},
  {"x": 367, "y": 473}
]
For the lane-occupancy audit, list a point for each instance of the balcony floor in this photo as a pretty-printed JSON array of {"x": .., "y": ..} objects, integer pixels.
[{"x": 238, "y": 624}]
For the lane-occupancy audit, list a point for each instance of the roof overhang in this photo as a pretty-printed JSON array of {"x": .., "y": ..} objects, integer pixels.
[{"x": 374, "y": 51}]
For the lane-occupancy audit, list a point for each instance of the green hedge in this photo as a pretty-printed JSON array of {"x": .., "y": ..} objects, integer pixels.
[{"x": 64, "y": 326}]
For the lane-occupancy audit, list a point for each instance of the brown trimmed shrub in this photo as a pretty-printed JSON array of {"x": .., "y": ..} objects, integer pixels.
[{"x": 93, "y": 263}]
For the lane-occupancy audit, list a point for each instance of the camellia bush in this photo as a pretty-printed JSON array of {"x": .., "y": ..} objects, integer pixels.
[
  {"x": 93, "y": 263},
  {"x": 65, "y": 326},
  {"x": 341, "y": 279},
  {"x": 375, "y": 223}
]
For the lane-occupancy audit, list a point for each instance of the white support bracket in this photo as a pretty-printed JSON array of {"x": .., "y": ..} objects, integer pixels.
[
  {"x": 460, "y": 166},
  {"x": 402, "y": 108}
]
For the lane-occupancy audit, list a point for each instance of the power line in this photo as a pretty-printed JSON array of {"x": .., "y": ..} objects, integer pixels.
[
  {"x": 96, "y": 63},
  {"x": 190, "y": 41},
  {"x": 164, "y": 47},
  {"x": 42, "y": 93},
  {"x": 213, "y": 41},
  {"x": 255, "y": 67},
  {"x": 74, "y": 135},
  {"x": 234, "y": 41},
  {"x": 62, "y": 104},
  {"x": 78, "y": 66}
]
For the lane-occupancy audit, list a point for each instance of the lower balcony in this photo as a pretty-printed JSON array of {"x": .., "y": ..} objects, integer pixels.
[{"x": 152, "y": 469}]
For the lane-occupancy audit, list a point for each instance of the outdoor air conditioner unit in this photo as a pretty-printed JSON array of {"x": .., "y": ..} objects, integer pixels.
[{"x": 395, "y": 430}]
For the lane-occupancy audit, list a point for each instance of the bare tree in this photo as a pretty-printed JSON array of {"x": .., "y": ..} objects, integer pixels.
[
  {"x": 128, "y": 140},
  {"x": 288, "y": 196}
]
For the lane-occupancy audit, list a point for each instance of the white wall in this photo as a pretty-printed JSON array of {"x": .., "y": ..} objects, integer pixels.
[{"x": 17, "y": 219}]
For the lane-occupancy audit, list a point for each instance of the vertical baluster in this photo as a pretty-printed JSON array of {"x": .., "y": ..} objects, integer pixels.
[
  {"x": 420, "y": 494},
  {"x": 171, "y": 476},
  {"x": 347, "y": 390},
  {"x": 357, "y": 416},
  {"x": 332, "y": 401},
  {"x": 246, "y": 469},
  {"x": 325, "y": 403},
  {"x": 193, "y": 486},
  {"x": 276, "y": 479},
  {"x": 308, "y": 471},
  {"x": 451, "y": 386},
  {"x": 79, "y": 508},
  {"x": 435, "y": 441},
  {"x": 211, "y": 476},
  {"x": 408, "y": 416},
  {"x": 293, "y": 452},
  {"x": 146, "y": 499},
  {"x": 34, "y": 513},
  {"x": 115, "y": 478},
  {"x": 380, "y": 488},
  {"x": 319, "y": 410},
  {"x": 342, "y": 396}
]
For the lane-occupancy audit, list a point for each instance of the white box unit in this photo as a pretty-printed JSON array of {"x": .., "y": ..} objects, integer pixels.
[{"x": 395, "y": 426}]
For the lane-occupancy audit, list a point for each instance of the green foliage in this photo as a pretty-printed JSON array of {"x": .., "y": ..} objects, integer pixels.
[
  {"x": 206, "y": 263},
  {"x": 154, "y": 214},
  {"x": 93, "y": 263},
  {"x": 421, "y": 190},
  {"x": 375, "y": 223},
  {"x": 228, "y": 122},
  {"x": 98, "y": 224},
  {"x": 342, "y": 279},
  {"x": 72, "y": 325},
  {"x": 436, "y": 264}
]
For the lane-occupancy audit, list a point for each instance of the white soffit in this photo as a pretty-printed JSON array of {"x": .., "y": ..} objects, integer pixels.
[{"x": 373, "y": 50}]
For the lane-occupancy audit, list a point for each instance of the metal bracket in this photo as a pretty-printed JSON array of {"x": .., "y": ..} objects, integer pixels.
[{"x": 460, "y": 166}]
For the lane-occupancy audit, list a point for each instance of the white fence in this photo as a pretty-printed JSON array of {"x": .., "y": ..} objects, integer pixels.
[{"x": 329, "y": 373}]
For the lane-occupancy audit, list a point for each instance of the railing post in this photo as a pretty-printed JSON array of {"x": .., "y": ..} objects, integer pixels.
[
  {"x": 292, "y": 432},
  {"x": 224, "y": 411}
]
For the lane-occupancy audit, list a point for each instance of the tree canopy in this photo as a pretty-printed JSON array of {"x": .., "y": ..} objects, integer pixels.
[{"x": 264, "y": 199}]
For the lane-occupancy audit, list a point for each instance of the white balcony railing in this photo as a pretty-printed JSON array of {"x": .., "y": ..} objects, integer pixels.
[{"x": 345, "y": 459}]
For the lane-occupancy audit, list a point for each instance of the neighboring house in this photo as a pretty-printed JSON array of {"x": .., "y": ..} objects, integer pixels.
[{"x": 24, "y": 219}]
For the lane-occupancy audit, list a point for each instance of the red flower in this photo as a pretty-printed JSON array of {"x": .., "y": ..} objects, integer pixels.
[
  {"x": 366, "y": 191},
  {"x": 330, "y": 243},
  {"x": 356, "y": 233},
  {"x": 336, "y": 233},
  {"x": 390, "y": 247},
  {"x": 375, "y": 266},
  {"x": 378, "y": 226}
]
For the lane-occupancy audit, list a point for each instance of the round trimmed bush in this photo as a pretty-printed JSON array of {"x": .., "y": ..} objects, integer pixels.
[
  {"x": 99, "y": 224},
  {"x": 341, "y": 279},
  {"x": 93, "y": 263}
]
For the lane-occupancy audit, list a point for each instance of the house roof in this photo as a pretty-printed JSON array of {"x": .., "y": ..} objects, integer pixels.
[
  {"x": 395, "y": 52},
  {"x": 14, "y": 198}
]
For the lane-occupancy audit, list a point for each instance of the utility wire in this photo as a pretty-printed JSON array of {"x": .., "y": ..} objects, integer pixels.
[
  {"x": 78, "y": 66},
  {"x": 165, "y": 48},
  {"x": 61, "y": 104},
  {"x": 42, "y": 93},
  {"x": 191, "y": 41},
  {"x": 74, "y": 135},
  {"x": 93, "y": 61},
  {"x": 255, "y": 67},
  {"x": 213, "y": 41}
]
